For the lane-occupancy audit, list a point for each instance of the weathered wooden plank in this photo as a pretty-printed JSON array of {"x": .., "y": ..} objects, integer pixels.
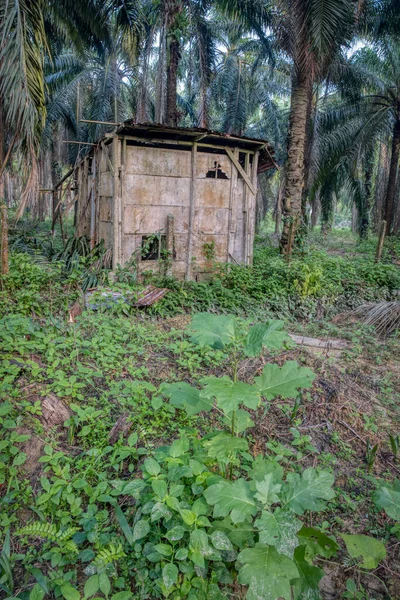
[
  {"x": 116, "y": 164},
  {"x": 240, "y": 169},
  {"x": 192, "y": 208}
]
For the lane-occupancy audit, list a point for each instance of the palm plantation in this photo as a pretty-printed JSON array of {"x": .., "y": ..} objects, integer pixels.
[{"x": 199, "y": 378}]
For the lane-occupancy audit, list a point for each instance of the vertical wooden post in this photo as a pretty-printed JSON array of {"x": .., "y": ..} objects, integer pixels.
[
  {"x": 122, "y": 201},
  {"x": 4, "y": 231},
  {"x": 252, "y": 211},
  {"x": 246, "y": 203},
  {"x": 381, "y": 240},
  {"x": 92, "y": 203},
  {"x": 192, "y": 208},
  {"x": 232, "y": 217},
  {"x": 116, "y": 201},
  {"x": 170, "y": 243}
]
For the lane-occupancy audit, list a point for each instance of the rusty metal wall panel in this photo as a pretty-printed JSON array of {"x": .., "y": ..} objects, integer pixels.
[
  {"x": 220, "y": 246},
  {"x": 154, "y": 191},
  {"x": 106, "y": 209},
  {"x": 206, "y": 162},
  {"x": 213, "y": 192},
  {"x": 106, "y": 184},
  {"x": 157, "y": 161},
  {"x": 106, "y": 233},
  {"x": 151, "y": 219},
  {"x": 212, "y": 220}
]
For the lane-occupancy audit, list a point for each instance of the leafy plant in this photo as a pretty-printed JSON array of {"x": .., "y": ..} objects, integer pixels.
[
  {"x": 370, "y": 455},
  {"x": 394, "y": 441}
]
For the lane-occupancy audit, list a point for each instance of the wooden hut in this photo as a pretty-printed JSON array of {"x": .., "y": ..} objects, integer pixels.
[{"x": 176, "y": 199}]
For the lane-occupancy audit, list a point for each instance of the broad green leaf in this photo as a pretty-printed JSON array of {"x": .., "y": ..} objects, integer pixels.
[
  {"x": 181, "y": 554},
  {"x": 122, "y": 596},
  {"x": 170, "y": 575},
  {"x": 267, "y": 490},
  {"x": 163, "y": 549},
  {"x": 265, "y": 335},
  {"x": 159, "y": 488},
  {"x": 279, "y": 529},
  {"x": 37, "y": 592},
  {"x": 317, "y": 543},
  {"x": 140, "y": 529},
  {"x": 284, "y": 381},
  {"x": 263, "y": 466},
  {"x": 306, "y": 491},
  {"x": 179, "y": 447},
  {"x": 242, "y": 421},
  {"x": 230, "y": 394},
  {"x": 216, "y": 331},
  {"x": 388, "y": 498},
  {"x": 20, "y": 459},
  {"x": 175, "y": 534},
  {"x": 371, "y": 551},
  {"x": 199, "y": 542},
  {"x": 268, "y": 574},
  {"x": 231, "y": 497},
  {"x": 224, "y": 447},
  {"x": 182, "y": 395},
  {"x": 188, "y": 516},
  {"x": 151, "y": 466},
  {"x": 105, "y": 584},
  {"x": 91, "y": 586},
  {"x": 69, "y": 592},
  {"x": 220, "y": 541},
  {"x": 307, "y": 586}
]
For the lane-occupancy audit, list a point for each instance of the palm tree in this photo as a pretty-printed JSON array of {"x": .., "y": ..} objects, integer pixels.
[{"x": 353, "y": 130}]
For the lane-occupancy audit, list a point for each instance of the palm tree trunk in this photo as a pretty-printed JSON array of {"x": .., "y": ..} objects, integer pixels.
[
  {"x": 3, "y": 207},
  {"x": 294, "y": 167},
  {"x": 392, "y": 181},
  {"x": 160, "y": 87},
  {"x": 174, "y": 53},
  {"x": 173, "y": 9}
]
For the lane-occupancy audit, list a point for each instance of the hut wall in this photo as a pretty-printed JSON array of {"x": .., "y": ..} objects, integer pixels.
[
  {"x": 195, "y": 202},
  {"x": 157, "y": 184}
]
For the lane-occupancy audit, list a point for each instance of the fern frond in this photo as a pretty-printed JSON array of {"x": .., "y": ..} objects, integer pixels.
[
  {"x": 45, "y": 530},
  {"x": 108, "y": 555}
]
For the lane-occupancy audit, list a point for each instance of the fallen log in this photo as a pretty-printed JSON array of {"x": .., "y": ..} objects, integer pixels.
[{"x": 319, "y": 343}]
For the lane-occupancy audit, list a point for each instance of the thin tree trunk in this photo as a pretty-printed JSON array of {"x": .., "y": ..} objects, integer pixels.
[
  {"x": 173, "y": 9},
  {"x": 160, "y": 82},
  {"x": 391, "y": 188},
  {"x": 3, "y": 207},
  {"x": 174, "y": 53},
  {"x": 294, "y": 167}
]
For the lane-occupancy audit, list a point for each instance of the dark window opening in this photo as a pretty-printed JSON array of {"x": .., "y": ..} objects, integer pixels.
[
  {"x": 216, "y": 172},
  {"x": 154, "y": 246}
]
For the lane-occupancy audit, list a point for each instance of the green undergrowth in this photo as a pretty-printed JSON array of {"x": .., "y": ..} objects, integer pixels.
[{"x": 178, "y": 503}]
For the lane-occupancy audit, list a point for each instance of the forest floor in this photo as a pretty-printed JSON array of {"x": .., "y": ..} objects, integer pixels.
[{"x": 80, "y": 390}]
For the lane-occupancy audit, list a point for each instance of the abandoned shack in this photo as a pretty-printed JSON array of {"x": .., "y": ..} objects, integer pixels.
[{"x": 176, "y": 199}]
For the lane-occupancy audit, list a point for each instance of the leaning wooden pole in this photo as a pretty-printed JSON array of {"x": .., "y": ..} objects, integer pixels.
[
  {"x": 381, "y": 240},
  {"x": 4, "y": 238}
]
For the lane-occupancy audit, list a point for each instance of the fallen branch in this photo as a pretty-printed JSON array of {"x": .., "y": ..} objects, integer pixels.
[{"x": 318, "y": 343}]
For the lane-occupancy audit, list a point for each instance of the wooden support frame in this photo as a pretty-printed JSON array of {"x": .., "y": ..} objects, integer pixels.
[
  {"x": 192, "y": 208},
  {"x": 241, "y": 170},
  {"x": 116, "y": 163},
  {"x": 232, "y": 216}
]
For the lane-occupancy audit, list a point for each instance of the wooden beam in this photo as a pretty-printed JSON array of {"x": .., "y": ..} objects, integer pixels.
[
  {"x": 192, "y": 208},
  {"x": 252, "y": 211},
  {"x": 246, "y": 213},
  {"x": 116, "y": 202},
  {"x": 232, "y": 216},
  {"x": 240, "y": 169},
  {"x": 144, "y": 141},
  {"x": 99, "y": 122},
  {"x": 80, "y": 143}
]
